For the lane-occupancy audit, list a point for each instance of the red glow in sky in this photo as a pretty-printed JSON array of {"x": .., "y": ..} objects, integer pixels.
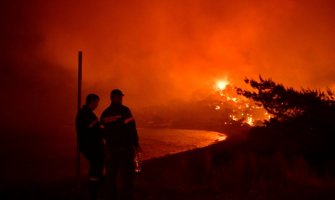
[{"x": 160, "y": 50}]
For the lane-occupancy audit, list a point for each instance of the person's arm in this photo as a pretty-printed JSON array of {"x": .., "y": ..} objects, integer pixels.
[
  {"x": 93, "y": 123},
  {"x": 134, "y": 134},
  {"x": 90, "y": 120},
  {"x": 83, "y": 120},
  {"x": 131, "y": 124}
]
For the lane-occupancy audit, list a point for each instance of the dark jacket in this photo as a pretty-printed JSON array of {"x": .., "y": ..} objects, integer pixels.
[
  {"x": 89, "y": 138},
  {"x": 120, "y": 132}
]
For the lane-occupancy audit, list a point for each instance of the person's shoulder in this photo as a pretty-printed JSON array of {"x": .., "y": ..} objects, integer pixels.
[
  {"x": 83, "y": 110},
  {"x": 106, "y": 111},
  {"x": 127, "y": 111},
  {"x": 83, "y": 113},
  {"x": 125, "y": 108}
]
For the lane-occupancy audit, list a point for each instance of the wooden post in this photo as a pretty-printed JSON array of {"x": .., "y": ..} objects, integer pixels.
[{"x": 80, "y": 66}]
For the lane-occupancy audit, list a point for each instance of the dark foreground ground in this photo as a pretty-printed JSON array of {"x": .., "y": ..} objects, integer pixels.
[{"x": 227, "y": 170}]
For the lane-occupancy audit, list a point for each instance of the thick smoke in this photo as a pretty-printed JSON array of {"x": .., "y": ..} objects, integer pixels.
[{"x": 156, "y": 51}]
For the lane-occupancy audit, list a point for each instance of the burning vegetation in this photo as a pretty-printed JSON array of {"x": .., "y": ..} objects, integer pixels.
[
  {"x": 221, "y": 109},
  {"x": 237, "y": 107}
]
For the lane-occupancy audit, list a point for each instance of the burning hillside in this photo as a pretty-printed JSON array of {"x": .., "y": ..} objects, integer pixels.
[
  {"x": 225, "y": 99},
  {"x": 221, "y": 109}
]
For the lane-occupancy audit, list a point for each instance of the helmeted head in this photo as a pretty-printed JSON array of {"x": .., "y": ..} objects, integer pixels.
[
  {"x": 116, "y": 96},
  {"x": 92, "y": 101}
]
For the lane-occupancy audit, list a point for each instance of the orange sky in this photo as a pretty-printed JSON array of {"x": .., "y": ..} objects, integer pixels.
[
  {"x": 161, "y": 50},
  {"x": 182, "y": 45}
]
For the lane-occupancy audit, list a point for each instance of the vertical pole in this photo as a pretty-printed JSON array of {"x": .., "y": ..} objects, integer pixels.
[
  {"x": 80, "y": 67},
  {"x": 80, "y": 63}
]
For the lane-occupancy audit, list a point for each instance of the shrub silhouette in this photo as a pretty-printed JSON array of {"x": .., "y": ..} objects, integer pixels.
[{"x": 302, "y": 120}]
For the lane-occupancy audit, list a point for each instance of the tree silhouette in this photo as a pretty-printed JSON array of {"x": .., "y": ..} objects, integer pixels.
[
  {"x": 287, "y": 103},
  {"x": 303, "y": 121}
]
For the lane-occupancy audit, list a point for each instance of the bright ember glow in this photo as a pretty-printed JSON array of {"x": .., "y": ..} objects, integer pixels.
[
  {"x": 221, "y": 85},
  {"x": 237, "y": 108},
  {"x": 250, "y": 121}
]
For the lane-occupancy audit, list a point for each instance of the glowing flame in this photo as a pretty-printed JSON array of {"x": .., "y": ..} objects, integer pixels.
[
  {"x": 239, "y": 108},
  {"x": 233, "y": 117},
  {"x": 250, "y": 121},
  {"x": 221, "y": 85}
]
